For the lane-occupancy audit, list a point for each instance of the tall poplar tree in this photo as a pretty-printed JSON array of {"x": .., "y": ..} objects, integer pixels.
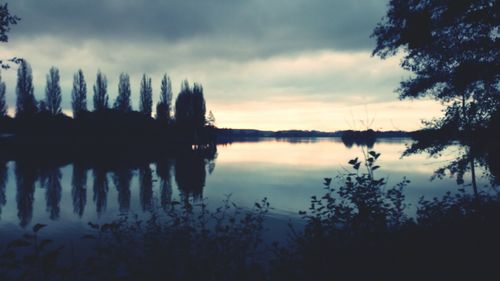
[
  {"x": 3, "y": 102},
  {"x": 146, "y": 96},
  {"x": 101, "y": 92},
  {"x": 26, "y": 102},
  {"x": 122, "y": 102},
  {"x": 79, "y": 94},
  {"x": 164, "y": 106},
  {"x": 53, "y": 92}
]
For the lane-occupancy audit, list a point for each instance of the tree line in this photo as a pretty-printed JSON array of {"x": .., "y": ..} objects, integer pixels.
[{"x": 190, "y": 108}]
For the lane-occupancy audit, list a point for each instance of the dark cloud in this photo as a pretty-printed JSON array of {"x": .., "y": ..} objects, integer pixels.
[{"x": 253, "y": 27}]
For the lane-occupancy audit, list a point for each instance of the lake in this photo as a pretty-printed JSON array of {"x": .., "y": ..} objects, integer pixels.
[{"x": 287, "y": 172}]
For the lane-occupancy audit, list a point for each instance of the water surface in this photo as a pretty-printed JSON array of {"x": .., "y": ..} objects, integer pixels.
[{"x": 286, "y": 172}]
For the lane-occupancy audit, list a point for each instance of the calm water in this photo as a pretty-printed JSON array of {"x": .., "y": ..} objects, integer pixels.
[{"x": 287, "y": 173}]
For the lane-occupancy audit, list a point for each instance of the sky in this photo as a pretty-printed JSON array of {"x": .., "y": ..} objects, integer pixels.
[{"x": 264, "y": 64}]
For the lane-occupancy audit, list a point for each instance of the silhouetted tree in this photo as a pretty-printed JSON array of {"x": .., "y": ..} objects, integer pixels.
[
  {"x": 101, "y": 92},
  {"x": 122, "y": 102},
  {"x": 3, "y": 102},
  {"x": 164, "y": 106},
  {"x": 183, "y": 104},
  {"x": 79, "y": 94},
  {"x": 121, "y": 178},
  {"x": 79, "y": 189},
  {"x": 25, "y": 181},
  {"x": 146, "y": 187},
  {"x": 100, "y": 190},
  {"x": 146, "y": 96},
  {"x": 53, "y": 92},
  {"x": 452, "y": 49},
  {"x": 6, "y": 20},
  {"x": 211, "y": 119},
  {"x": 190, "y": 106},
  {"x": 199, "y": 108},
  {"x": 42, "y": 106},
  {"x": 25, "y": 103}
]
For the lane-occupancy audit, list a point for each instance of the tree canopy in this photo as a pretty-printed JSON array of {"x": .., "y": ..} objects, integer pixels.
[
  {"x": 122, "y": 102},
  {"x": 452, "y": 48},
  {"x": 6, "y": 21},
  {"x": 3, "y": 102},
  {"x": 146, "y": 96},
  {"x": 190, "y": 107},
  {"x": 53, "y": 92},
  {"x": 101, "y": 92},
  {"x": 211, "y": 119},
  {"x": 26, "y": 102},
  {"x": 79, "y": 94},
  {"x": 164, "y": 106}
]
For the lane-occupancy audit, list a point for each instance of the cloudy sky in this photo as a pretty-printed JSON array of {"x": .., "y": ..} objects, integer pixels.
[{"x": 264, "y": 64}]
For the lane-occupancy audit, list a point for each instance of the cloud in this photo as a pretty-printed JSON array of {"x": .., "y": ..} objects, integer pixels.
[
  {"x": 243, "y": 28},
  {"x": 324, "y": 75}
]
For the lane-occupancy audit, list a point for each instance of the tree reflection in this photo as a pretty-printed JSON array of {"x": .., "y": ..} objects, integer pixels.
[
  {"x": 79, "y": 188},
  {"x": 3, "y": 184},
  {"x": 164, "y": 172},
  {"x": 188, "y": 167},
  {"x": 121, "y": 178},
  {"x": 471, "y": 156},
  {"x": 50, "y": 180},
  {"x": 190, "y": 175},
  {"x": 26, "y": 175},
  {"x": 100, "y": 189},
  {"x": 359, "y": 138},
  {"x": 211, "y": 165},
  {"x": 491, "y": 160},
  {"x": 146, "y": 187}
]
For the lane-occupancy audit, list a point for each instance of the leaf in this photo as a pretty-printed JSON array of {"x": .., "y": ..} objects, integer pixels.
[
  {"x": 353, "y": 161},
  {"x": 327, "y": 181},
  {"x": 356, "y": 166},
  {"x": 374, "y": 154},
  {"x": 38, "y": 226},
  {"x": 375, "y": 167}
]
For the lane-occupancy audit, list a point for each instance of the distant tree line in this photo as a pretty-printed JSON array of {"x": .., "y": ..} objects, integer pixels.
[{"x": 189, "y": 111}]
